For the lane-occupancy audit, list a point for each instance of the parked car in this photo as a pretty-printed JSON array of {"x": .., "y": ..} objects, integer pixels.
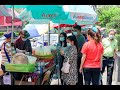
[{"x": 1, "y": 41}]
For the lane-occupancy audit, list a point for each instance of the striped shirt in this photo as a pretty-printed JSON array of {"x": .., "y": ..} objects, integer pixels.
[{"x": 8, "y": 50}]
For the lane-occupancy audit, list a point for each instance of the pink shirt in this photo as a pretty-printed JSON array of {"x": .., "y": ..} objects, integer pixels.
[{"x": 93, "y": 53}]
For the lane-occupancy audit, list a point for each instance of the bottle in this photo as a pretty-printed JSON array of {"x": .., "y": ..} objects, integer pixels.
[
  {"x": 13, "y": 49},
  {"x": 29, "y": 79}
]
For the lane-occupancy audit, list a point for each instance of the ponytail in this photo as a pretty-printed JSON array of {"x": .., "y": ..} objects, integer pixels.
[
  {"x": 97, "y": 38},
  {"x": 95, "y": 35}
]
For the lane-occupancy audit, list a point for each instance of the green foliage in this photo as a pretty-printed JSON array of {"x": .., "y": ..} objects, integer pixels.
[
  {"x": 118, "y": 38},
  {"x": 1, "y": 33},
  {"x": 110, "y": 17}
]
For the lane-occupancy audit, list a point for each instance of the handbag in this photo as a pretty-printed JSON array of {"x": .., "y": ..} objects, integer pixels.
[{"x": 65, "y": 67}]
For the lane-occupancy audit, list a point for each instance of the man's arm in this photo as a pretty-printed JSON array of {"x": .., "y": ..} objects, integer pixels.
[{"x": 115, "y": 50}]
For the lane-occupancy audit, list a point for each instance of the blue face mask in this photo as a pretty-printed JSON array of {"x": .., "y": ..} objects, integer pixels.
[
  {"x": 62, "y": 38},
  {"x": 68, "y": 44},
  {"x": 75, "y": 33}
]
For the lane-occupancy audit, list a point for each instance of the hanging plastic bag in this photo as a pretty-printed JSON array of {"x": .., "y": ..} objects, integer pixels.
[
  {"x": 65, "y": 67},
  {"x": 7, "y": 79}
]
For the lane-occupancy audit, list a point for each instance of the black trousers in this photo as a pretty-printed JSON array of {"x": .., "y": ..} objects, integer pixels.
[
  {"x": 91, "y": 75},
  {"x": 109, "y": 63},
  {"x": 80, "y": 76}
]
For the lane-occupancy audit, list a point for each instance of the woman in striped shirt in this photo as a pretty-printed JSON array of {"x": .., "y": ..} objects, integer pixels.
[{"x": 7, "y": 44}]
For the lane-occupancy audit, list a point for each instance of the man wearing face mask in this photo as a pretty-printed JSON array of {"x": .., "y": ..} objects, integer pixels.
[
  {"x": 23, "y": 44},
  {"x": 110, "y": 47},
  {"x": 81, "y": 40}
]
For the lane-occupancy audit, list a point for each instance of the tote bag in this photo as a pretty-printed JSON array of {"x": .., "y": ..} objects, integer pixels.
[{"x": 65, "y": 67}]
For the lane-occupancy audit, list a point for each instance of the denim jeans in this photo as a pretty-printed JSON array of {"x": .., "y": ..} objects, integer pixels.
[
  {"x": 91, "y": 75},
  {"x": 109, "y": 63}
]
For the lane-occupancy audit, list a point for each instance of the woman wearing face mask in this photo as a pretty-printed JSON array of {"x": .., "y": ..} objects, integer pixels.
[
  {"x": 23, "y": 44},
  {"x": 71, "y": 78},
  {"x": 63, "y": 45}
]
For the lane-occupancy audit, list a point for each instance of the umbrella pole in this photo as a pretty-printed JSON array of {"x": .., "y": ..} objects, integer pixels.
[
  {"x": 12, "y": 43},
  {"x": 7, "y": 29},
  {"x": 58, "y": 58},
  {"x": 49, "y": 33}
]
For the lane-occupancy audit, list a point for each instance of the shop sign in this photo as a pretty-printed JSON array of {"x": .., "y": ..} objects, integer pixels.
[{"x": 82, "y": 17}]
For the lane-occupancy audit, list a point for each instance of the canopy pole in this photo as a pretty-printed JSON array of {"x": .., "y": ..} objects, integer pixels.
[
  {"x": 59, "y": 28},
  {"x": 58, "y": 56},
  {"x": 7, "y": 29},
  {"x": 49, "y": 34},
  {"x": 12, "y": 43},
  {"x": 12, "y": 24}
]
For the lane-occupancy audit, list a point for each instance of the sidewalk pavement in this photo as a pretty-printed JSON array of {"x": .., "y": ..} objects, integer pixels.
[{"x": 105, "y": 78}]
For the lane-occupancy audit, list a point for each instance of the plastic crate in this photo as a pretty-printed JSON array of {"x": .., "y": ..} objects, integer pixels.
[{"x": 20, "y": 67}]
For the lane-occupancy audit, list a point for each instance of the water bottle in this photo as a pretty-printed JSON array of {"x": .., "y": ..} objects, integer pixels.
[
  {"x": 41, "y": 70},
  {"x": 13, "y": 49}
]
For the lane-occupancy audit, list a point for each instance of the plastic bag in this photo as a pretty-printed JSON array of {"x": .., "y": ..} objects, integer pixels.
[
  {"x": 65, "y": 67},
  {"x": 7, "y": 79}
]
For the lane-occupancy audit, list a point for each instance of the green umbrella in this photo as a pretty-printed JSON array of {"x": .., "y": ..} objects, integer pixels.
[
  {"x": 50, "y": 12},
  {"x": 17, "y": 6},
  {"x": 47, "y": 12}
]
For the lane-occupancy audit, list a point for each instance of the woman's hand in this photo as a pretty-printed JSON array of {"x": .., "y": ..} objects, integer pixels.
[
  {"x": 101, "y": 69},
  {"x": 81, "y": 69},
  {"x": 62, "y": 52}
]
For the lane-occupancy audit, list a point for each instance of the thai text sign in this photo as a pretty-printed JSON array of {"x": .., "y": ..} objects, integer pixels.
[
  {"x": 82, "y": 17},
  {"x": 50, "y": 15}
]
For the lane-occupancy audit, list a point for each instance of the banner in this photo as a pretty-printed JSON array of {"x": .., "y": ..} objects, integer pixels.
[{"x": 82, "y": 16}]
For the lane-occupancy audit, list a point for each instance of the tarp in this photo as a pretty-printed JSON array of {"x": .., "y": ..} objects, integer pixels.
[
  {"x": 6, "y": 17},
  {"x": 7, "y": 21},
  {"x": 32, "y": 30}
]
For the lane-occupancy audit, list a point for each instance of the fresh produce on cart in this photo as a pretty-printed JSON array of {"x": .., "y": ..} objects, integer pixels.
[{"x": 44, "y": 53}]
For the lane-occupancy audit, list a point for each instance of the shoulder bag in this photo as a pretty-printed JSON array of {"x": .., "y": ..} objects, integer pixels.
[{"x": 66, "y": 66}]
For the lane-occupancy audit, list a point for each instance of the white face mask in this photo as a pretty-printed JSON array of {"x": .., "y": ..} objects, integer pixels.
[
  {"x": 24, "y": 39},
  {"x": 75, "y": 33},
  {"x": 68, "y": 44},
  {"x": 62, "y": 39},
  {"x": 111, "y": 36}
]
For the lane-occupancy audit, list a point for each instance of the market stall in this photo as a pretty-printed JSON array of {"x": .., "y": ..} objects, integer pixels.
[{"x": 33, "y": 68}]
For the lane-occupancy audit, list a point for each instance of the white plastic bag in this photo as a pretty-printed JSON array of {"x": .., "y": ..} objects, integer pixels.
[
  {"x": 65, "y": 67},
  {"x": 55, "y": 82},
  {"x": 7, "y": 79}
]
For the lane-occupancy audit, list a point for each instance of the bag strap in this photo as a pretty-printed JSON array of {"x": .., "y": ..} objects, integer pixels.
[
  {"x": 6, "y": 53},
  {"x": 107, "y": 47},
  {"x": 68, "y": 60}
]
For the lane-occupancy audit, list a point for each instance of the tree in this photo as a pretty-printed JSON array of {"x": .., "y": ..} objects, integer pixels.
[{"x": 109, "y": 16}]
